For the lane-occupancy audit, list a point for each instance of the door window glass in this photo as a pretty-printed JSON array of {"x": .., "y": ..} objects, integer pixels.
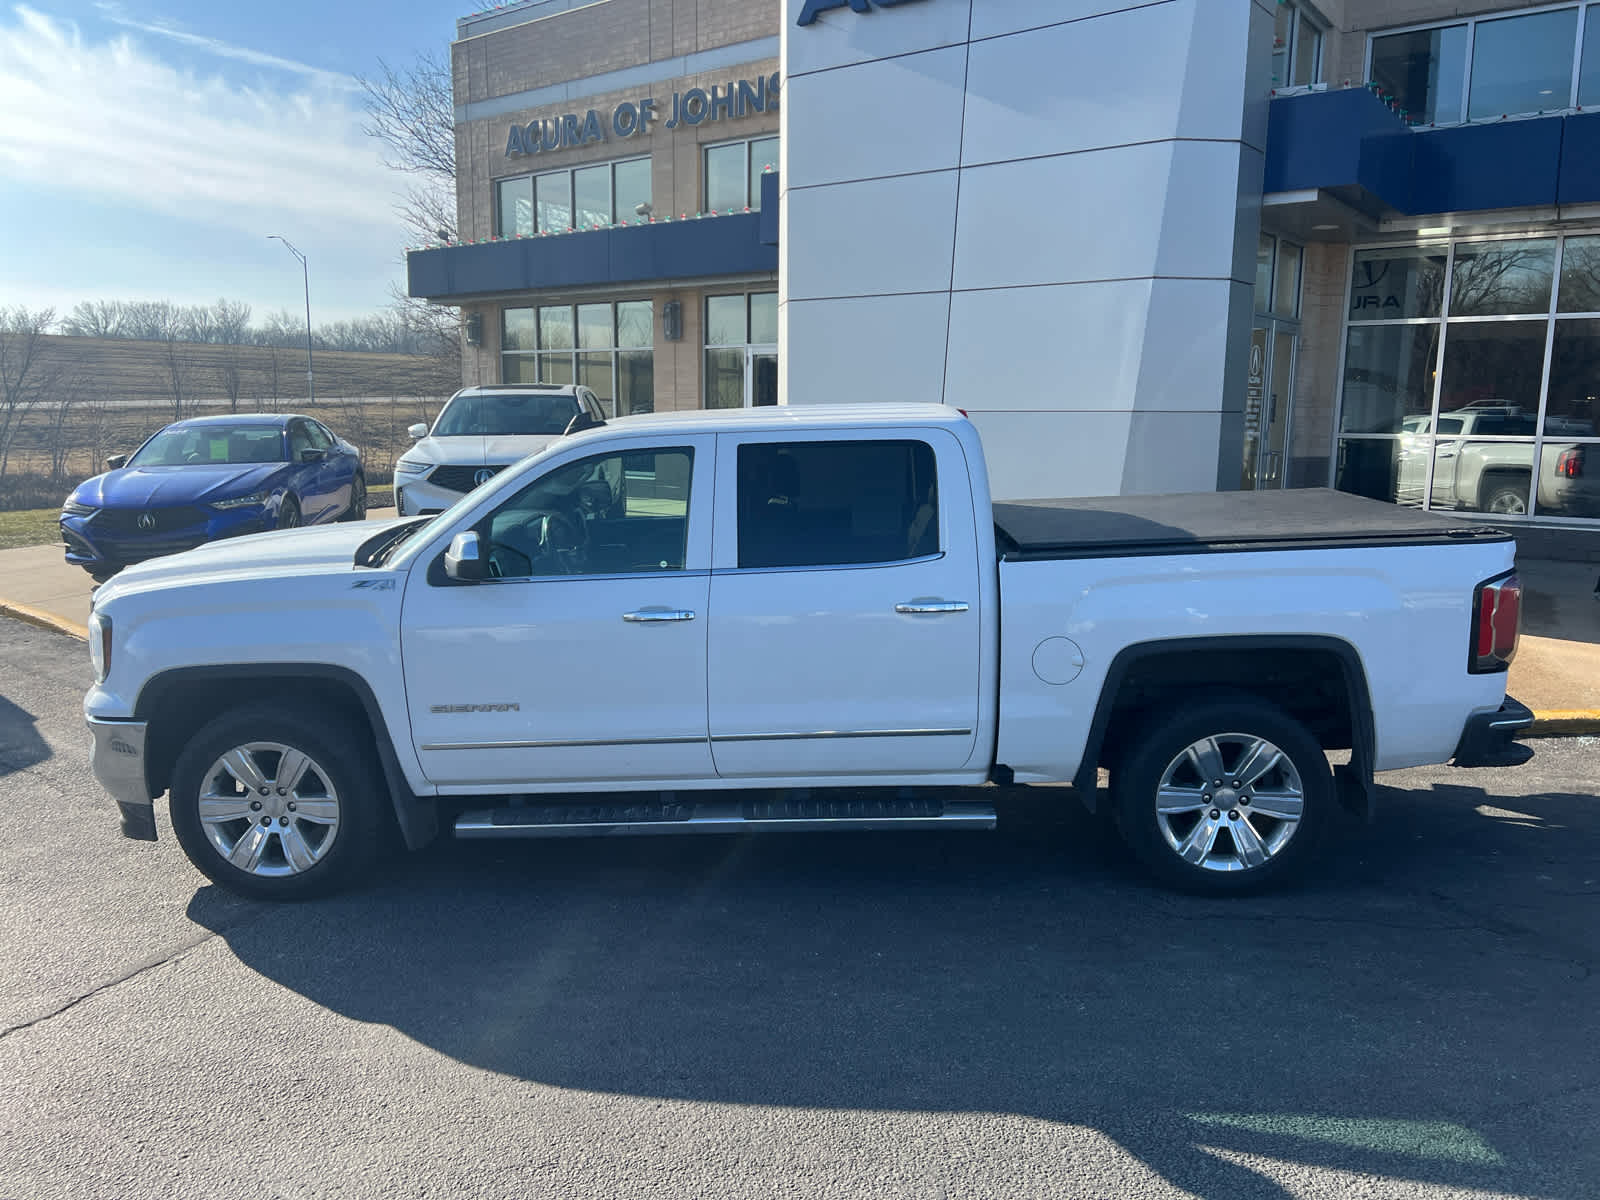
[
  {"x": 299, "y": 440},
  {"x": 610, "y": 514},
  {"x": 805, "y": 504},
  {"x": 320, "y": 438}
]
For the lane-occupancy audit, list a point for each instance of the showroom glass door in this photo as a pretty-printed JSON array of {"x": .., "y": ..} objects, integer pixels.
[
  {"x": 1269, "y": 375},
  {"x": 761, "y": 387}
]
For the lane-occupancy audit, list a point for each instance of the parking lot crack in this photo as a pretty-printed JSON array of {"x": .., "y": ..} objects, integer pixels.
[{"x": 133, "y": 972}]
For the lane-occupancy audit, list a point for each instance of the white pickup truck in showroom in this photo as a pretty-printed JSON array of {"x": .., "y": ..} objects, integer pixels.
[{"x": 796, "y": 619}]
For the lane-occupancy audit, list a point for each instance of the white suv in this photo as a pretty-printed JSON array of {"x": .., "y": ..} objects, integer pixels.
[{"x": 479, "y": 433}]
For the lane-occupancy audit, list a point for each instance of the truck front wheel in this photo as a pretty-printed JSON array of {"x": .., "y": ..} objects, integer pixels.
[
  {"x": 276, "y": 805},
  {"x": 1223, "y": 796}
]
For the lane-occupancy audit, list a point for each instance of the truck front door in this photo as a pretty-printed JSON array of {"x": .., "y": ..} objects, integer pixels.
[
  {"x": 583, "y": 658},
  {"x": 845, "y": 607}
]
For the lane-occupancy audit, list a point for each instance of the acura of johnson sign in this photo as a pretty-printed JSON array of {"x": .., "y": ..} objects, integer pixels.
[
  {"x": 694, "y": 107},
  {"x": 809, "y": 13}
]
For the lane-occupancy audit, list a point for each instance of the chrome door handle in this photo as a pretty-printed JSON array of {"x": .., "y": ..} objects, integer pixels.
[
  {"x": 932, "y": 606},
  {"x": 646, "y": 616}
]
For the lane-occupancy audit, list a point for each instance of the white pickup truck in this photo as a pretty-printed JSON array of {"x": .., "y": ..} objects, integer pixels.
[{"x": 795, "y": 619}]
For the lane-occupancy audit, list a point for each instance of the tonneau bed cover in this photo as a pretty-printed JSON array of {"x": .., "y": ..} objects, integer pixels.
[{"x": 1217, "y": 522}]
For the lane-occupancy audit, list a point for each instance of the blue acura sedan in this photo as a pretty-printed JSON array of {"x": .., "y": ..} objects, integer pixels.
[{"x": 212, "y": 477}]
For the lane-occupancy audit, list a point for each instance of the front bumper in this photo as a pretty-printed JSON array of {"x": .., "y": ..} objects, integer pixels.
[
  {"x": 89, "y": 546},
  {"x": 1488, "y": 735},
  {"x": 415, "y": 495},
  {"x": 117, "y": 759}
]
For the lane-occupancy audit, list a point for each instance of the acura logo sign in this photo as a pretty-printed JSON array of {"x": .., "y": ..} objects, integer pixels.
[
  {"x": 483, "y": 476},
  {"x": 146, "y": 521}
]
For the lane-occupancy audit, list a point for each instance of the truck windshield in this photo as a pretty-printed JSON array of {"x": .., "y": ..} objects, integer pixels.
[
  {"x": 506, "y": 413},
  {"x": 215, "y": 445}
]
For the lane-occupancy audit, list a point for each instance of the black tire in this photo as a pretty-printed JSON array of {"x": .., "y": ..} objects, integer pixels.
[
  {"x": 289, "y": 513},
  {"x": 342, "y": 764},
  {"x": 101, "y": 576},
  {"x": 358, "y": 501},
  {"x": 1504, "y": 494},
  {"x": 1289, "y": 846}
]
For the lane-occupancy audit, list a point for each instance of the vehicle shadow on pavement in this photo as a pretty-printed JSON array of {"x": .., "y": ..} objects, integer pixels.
[
  {"x": 1422, "y": 1009},
  {"x": 21, "y": 746}
]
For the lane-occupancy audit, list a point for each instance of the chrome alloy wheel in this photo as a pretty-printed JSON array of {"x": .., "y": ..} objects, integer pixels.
[
  {"x": 269, "y": 809},
  {"x": 1229, "y": 802}
]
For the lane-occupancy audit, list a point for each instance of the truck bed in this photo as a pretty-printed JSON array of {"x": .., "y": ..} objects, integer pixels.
[{"x": 1218, "y": 522}]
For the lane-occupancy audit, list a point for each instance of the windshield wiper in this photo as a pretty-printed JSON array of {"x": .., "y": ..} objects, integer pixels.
[{"x": 381, "y": 555}]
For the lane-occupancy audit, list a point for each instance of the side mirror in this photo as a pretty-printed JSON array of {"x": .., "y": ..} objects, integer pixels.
[
  {"x": 116, "y": 462},
  {"x": 461, "y": 561},
  {"x": 309, "y": 456},
  {"x": 419, "y": 430}
]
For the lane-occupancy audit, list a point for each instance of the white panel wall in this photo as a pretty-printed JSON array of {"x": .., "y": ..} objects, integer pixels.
[{"x": 1042, "y": 211}]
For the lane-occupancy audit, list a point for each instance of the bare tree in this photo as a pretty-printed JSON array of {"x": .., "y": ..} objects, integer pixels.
[
  {"x": 411, "y": 110},
  {"x": 25, "y": 370},
  {"x": 96, "y": 318},
  {"x": 231, "y": 320}
]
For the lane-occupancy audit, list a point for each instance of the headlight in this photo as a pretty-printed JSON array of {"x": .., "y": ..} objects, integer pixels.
[
  {"x": 410, "y": 466},
  {"x": 73, "y": 509},
  {"x": 100, "y": 645},
  {"x": 241, "y": 501}
]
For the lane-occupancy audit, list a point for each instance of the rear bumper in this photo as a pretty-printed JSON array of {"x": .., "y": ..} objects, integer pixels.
[
  {"x": 1486, "y": 736},
  {"x": 117, "y": 759}
]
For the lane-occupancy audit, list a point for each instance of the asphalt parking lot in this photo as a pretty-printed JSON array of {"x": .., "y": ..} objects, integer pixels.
[{"x": 983, "y": 1015}]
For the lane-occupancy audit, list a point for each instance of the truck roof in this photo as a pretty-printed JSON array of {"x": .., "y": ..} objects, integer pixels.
[{"x": 797, "y": 417}]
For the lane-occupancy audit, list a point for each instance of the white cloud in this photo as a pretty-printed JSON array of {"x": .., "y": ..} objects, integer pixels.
[
  {"x": 118, "y": 16},
  {"x": 112, "y": 120}
]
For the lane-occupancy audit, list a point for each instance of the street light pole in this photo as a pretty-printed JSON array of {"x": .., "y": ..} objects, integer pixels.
[{"x": 305, "y": 272}]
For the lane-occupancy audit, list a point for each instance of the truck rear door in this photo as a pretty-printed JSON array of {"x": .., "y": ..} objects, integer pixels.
[{"x": 846, "y": 613}]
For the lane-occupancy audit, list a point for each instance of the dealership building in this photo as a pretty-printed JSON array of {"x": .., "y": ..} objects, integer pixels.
[{"x": 1148, "y": 247}]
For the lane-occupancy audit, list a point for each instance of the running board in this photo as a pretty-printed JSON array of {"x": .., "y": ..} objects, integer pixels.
[{"x": 786, "y": 813}]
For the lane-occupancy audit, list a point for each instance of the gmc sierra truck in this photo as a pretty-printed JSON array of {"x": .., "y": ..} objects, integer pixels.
[{"x": 795, "y": 619}]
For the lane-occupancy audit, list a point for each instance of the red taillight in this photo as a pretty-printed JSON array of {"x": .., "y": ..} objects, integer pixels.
[
  {"x": 1569, "y": 463},
  {"x": 1496, "y": 619}
]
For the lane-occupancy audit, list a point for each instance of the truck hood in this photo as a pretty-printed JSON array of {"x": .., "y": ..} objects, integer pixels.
[
  {"x": 162, "y": 487},
  {"x": 317, "y": 551},
  {"x": 474, "y": 450}
]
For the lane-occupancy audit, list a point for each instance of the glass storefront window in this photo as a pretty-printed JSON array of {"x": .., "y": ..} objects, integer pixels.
[
  {"x": 1286, "y": 288},
  {"x": 1397, "y": 282},
  {"x": 725, "y": 321},
  {"x": 1388, "y": 376},
  {"x": 1511, "y": 428},
  {"x": 513, "y": 205},
  {"x": 604, "y": 347},
  {"x": 552, "y": 196},
  {"x": 1264, "y": 249},
  {"x": 1572, "y": 408},
  {"x": 1580, "y": 275},
  {"x": 1522, "y": 64},
  {"x": 1494, "y": 369},
  {"x": 555, "y": 327},
  {"x": 1589, "y": 71},
  {"x": 1495, "y": 279},
  {"x": 595, "y": 330},
  {"x": 764, "y": 319},
  {"x": 517, "y": 329},
  {"x": 1425, "y": 70},
  {"x": 1296, "y": 46},
  {"x": 632, "y": 188},
  {"x": 733, "y": 173},
  {"x": 600, "y": 195},
  {"x": 591, "y": 196}
]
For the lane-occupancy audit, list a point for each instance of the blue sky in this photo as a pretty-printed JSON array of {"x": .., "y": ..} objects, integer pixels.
[{"x": 148, "y": 147}]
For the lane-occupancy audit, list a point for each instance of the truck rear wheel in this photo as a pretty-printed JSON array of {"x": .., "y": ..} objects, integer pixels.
[
  {"x": 1224, "y": 796},
  {"x": 275, "y": 805}
]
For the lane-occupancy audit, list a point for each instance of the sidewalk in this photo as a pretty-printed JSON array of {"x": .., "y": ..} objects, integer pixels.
[{"x": 1556, "y": 673}]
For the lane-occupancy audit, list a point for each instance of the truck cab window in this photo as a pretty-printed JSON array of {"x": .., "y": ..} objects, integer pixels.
[
  {"x": 612, "y": 514},
  {"x": 807, "y": 504}
]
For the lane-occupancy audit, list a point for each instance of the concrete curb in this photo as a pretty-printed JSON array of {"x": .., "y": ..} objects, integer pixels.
[
  {"x": 1551, "y": 721},
  {"x": 44, "y": 620}
]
